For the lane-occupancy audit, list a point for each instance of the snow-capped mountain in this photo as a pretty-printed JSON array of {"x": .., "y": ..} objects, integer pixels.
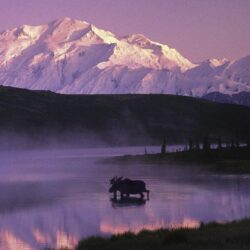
[{"x": 75, "y": 57}]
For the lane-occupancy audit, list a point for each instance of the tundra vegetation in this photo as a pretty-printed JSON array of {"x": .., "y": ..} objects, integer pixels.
[{"x": 212, "y": 236}]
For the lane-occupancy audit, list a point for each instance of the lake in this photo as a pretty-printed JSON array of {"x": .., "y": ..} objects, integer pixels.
[{"x": 53, "y": 198}]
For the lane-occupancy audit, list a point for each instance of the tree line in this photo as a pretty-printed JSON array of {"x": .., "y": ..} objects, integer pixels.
[{"x": 196, "y": 144}]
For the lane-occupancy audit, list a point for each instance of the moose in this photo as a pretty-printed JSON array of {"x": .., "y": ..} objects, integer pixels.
[{"x": 127, "y": 187}]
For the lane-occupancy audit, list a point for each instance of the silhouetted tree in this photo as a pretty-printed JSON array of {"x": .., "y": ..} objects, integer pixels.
[
  {"x": 248, "y": 142},
  {"x": 163, "y": 147},
  {"x": 237, "y": 141},
  {"x": 191, "y": 145},
  {"x": 206, "y": 144},
  {"x": 232, "y": 143},
  {"x": 219, "y": 146},
  {"x": 197, "y": 144}
]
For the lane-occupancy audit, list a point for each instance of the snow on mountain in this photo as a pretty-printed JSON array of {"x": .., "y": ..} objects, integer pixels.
[
  {"x": 218, "y": 75},
  {"x": 239, "y": 71},
  {"x": 73, "y": 56}
]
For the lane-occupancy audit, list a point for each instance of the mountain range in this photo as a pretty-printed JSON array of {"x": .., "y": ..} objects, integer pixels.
[{"x": 74, "y": 57}]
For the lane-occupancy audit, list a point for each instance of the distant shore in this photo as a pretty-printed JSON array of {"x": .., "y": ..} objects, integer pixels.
[
  {"x": 212, "y": 236},
  {"x": 226, "y": 160}
]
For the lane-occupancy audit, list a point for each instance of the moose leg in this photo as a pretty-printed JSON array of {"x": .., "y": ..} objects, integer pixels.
[
  {"x": 142, "y": 195},
  {"x": 147, "y": 194},
  {"x": 121, "y": 196},
  {"x": 115, "y": 196}
]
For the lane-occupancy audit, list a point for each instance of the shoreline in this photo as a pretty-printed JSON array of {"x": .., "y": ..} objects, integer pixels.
[
  {"x": 225, "y": 160},
  {"x": 215, "y": 236}
]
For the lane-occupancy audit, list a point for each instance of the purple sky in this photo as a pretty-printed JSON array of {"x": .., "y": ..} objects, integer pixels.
[{"x": 199, "y": 29}]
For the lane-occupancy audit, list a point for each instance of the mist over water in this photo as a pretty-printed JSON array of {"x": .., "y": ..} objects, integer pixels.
[{"x": 56, "y": 197}]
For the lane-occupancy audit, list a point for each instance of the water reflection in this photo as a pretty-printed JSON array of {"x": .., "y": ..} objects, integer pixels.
[
  {"x": 108, "y": 227},
  {"x": 54, "y": 198},
  {"x": 128, "y": 201}
]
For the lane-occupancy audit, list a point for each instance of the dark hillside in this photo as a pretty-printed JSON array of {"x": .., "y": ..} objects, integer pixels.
[{"x": 119, "y": 118}]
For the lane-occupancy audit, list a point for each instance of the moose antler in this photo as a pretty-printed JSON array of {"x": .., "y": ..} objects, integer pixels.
[
  {"x": 113, "y": 180},
  {"x": 119, "y": 179}
]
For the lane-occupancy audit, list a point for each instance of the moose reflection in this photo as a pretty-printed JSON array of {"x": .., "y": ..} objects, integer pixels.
[
  {"x": 128, "y": 201},
  {"x": 127, "y": 187}
]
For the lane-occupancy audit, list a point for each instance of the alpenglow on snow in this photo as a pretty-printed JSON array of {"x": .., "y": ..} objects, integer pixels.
[{"x": 75, "y": 57}]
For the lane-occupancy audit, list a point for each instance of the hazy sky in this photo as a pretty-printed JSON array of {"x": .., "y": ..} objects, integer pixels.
[{"x": 199, "y": 29}]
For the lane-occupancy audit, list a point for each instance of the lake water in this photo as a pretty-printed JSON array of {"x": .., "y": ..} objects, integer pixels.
[{"x": 56, "y": 197}]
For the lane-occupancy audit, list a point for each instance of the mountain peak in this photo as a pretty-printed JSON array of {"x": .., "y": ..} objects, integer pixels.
[
  {"x": 138, "y": 39},
  {"x": 68, "y": 20},
  {"x": 73, "y": 56},
  {"x": 217, "y": 62},
  {"x": 66, "y": 23}
]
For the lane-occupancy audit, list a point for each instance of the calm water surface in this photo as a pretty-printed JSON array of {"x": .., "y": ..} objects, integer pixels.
[{"x": 55, "y": 197}]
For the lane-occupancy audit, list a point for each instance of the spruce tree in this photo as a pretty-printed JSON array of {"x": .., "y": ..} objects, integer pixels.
[
  {"x": 219, "y": 146},
  {"x": 232, "y": 143},
  {"x": 191, "y": 145},
  {"x": 163, "y": 147},
  {"x": 206, "y": 144},
  {"x": 197, "y": 144}
]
